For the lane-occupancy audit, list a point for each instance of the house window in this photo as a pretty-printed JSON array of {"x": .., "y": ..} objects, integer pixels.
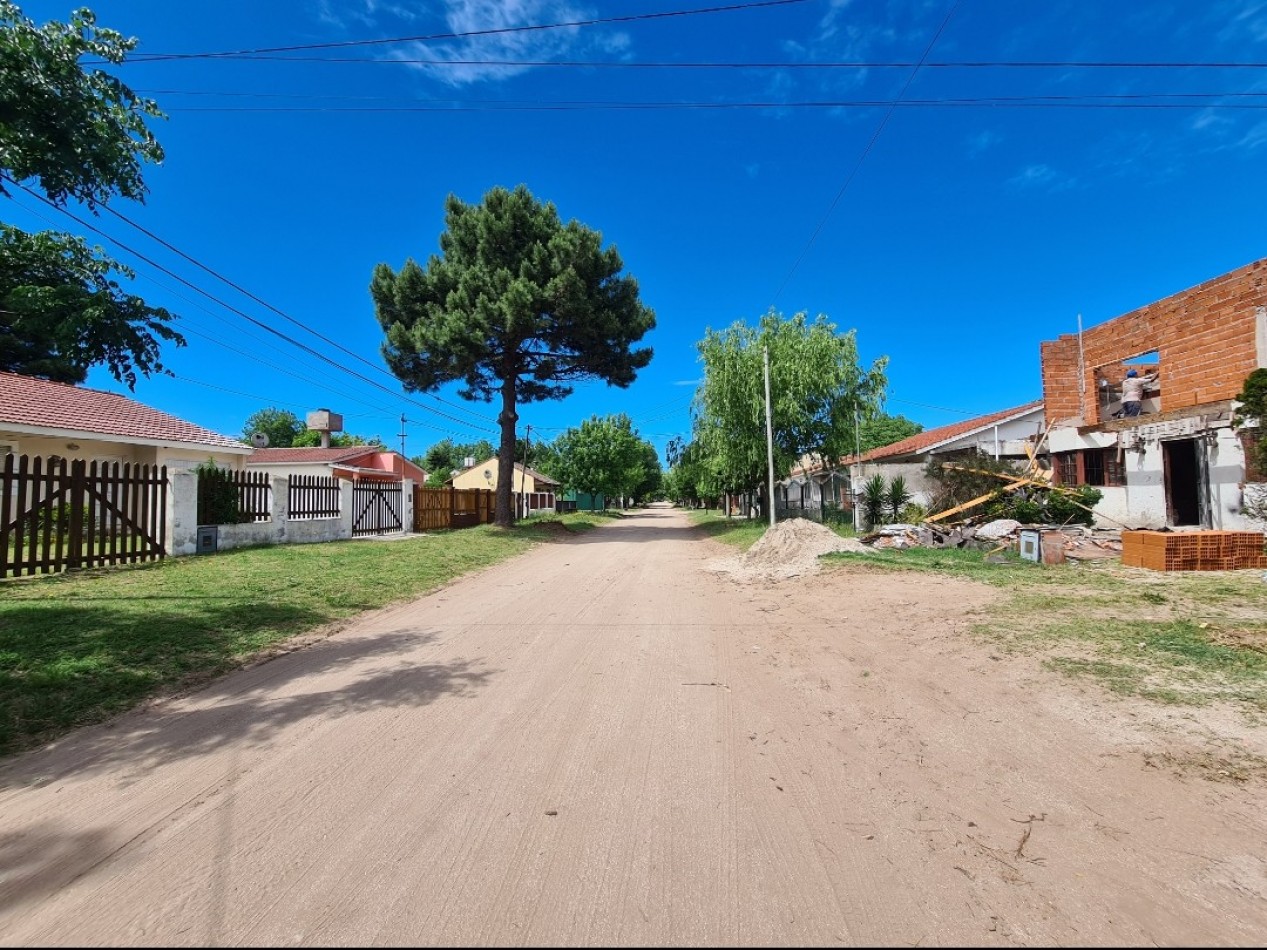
[
  {"x": 1067, "y": 468},
  {"x": 1098, "y": 467}
]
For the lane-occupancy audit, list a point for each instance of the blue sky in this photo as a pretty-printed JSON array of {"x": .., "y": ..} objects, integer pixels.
[{"x": 954, "y": 241}]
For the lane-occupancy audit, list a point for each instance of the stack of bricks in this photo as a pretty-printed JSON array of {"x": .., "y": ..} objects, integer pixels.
[{"x": 1193, "y": 550}]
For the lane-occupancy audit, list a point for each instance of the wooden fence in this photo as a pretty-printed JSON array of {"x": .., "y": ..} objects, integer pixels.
[
  {"x": 313, "y": 496},
  {"x": 452, "y": 507},
  {"x": 254, "y": 493},
  {"x": 57, "y": 515}
]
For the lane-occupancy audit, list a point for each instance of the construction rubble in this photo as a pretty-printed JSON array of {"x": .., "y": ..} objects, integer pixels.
[{"x": 1079, "y": 543}]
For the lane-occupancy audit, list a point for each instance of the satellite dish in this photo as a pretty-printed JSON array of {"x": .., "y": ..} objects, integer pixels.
[{"x": 259, "y": 440}]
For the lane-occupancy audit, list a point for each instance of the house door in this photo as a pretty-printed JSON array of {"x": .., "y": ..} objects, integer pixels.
[{"x": 1184, "y": 474}]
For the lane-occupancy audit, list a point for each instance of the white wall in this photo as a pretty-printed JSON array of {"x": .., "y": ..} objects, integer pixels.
[{"x": 1141, "y": 502}]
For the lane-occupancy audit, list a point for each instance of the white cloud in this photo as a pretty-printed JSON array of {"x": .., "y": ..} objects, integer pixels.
[
  {"x": 1255, "y": 137},
  {"x": 1041, "y": 176},
  {"x": 473, "y": 16},
  {"x": 981, "y": 141}
]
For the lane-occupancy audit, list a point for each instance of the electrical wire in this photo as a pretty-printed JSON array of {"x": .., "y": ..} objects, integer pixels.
[
  {"x": 831, "y": 65},
  {"x": 865, "y": 152},
  {"x": 240, "y": 313},
  {"x": 268, "y": 306},
  {"x": 1211, "y": 101},
  {"x": 497, "y": 31}
]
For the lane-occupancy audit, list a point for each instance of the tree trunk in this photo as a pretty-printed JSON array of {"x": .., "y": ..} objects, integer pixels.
[{"x": 504, "y": 514}]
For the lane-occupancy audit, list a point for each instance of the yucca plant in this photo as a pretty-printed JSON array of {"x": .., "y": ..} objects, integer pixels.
[
  {"x": 896, "y": 497},
  {"x": 874, "y": 500}
]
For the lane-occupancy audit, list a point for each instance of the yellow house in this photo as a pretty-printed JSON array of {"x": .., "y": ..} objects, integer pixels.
[
  {"x": 532, "y": 491},
  {"x": 484, "y": 475}
]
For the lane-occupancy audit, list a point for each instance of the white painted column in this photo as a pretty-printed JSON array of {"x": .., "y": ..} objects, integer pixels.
[{"x": 182, "y": 514}]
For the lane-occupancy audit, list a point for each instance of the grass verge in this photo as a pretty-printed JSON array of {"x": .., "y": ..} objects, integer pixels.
[
  {"x": 742, "y": 533},
  {"x": 78, "y": 648},
  {"x": 1172, "y": 637}
]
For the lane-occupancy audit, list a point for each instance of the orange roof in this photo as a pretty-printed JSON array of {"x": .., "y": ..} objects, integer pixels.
[
  {"x": 932, "y": 437},
  {"x": 37, "y": 404},
  {"x": 312, "y": 454}
]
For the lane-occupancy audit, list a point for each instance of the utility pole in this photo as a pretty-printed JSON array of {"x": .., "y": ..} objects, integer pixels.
[
  {"x": 402, "y": 433},
  {"x": 523, "y": 474},
  {"x": 769, "y": 431},
  {"x": 853, "y": 473}
]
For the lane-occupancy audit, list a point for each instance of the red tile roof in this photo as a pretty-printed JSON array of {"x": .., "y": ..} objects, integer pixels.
[
  {"x": 931, "y": 437},
  {"x": 39, "y": 403},
  {"x": 311, "y": 454}
]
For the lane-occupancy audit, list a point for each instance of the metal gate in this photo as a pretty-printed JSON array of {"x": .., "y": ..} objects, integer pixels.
[
  {"x": 376, "y": 508},
  {"x": 57, "y": 516}
]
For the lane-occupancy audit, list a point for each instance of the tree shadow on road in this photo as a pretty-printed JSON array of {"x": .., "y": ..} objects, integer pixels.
[{"x": 334, "y": 678}]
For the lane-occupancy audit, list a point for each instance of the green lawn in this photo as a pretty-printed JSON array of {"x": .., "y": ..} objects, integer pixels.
[
  {"x": 77, "y": 648},
  {"x": 1184, "y": 637},
  {"x": 743, "y": 533}
]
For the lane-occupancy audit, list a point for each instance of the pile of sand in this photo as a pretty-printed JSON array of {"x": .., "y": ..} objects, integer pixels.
[{"x": 789, "y": 549}]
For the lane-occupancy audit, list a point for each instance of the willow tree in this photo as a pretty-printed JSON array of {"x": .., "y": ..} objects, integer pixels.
[
  {"x": 819, "y": 393},
  {"x": 518, "y": 306}
]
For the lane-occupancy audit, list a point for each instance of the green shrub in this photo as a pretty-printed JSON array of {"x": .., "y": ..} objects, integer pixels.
[{"x": 217, "y": 495}]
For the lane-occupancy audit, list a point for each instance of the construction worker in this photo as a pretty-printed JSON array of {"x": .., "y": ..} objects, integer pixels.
[{"x": 1133, "y": 391}]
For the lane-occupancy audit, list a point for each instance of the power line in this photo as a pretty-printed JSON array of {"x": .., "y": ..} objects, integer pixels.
[
  {"x": 240, "y": 313},
  {"x": 766, "y": 104},
  {"x": 696, "y": 65},
  {"x": 431, "y": 37},
  {"x": 1193, "y": 101},
  {"x": 268, "y": 306},
  {"x": 866, "y": 151}
]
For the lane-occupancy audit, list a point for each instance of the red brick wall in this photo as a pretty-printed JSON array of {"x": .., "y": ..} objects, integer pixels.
[{"x": 1204, "y": 338}]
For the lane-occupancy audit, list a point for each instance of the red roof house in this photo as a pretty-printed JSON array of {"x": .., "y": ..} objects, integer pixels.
[
  {"x": 43, "y": 418},
  {"x": 354, "y": 463}
]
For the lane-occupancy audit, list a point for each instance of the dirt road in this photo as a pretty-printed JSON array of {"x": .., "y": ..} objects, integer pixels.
[{"x": 602, "y": 742}]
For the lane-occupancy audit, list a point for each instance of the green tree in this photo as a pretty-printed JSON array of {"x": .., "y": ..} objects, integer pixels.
[
  {"x": 1253, "y": 408},
  {"x": 311, "y": 438},
  {"x": 446, "y": 456},
  {"x": 603, "y": 455},
  {"x": 280, "y": 425},
  {"x": 818, "y": 391},
  {"x": 76, "y": 134},
  {"x": 517, "y": 306},
  {"x": 883, "y": 429},
  {"x": 61, "y": 312}
]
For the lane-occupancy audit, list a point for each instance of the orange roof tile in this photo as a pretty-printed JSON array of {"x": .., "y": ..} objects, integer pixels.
[
  {"x": 313, "y": 454},
  {"x": 38, "y": 403},
  {"x": 931, "y": 437}
]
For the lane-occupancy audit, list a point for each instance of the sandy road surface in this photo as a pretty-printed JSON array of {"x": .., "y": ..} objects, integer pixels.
[{"x": 602, "y": 742}]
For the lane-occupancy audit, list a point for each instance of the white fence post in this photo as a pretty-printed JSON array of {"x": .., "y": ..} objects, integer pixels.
[
  {"x": 407, "y": 506},
  {"x": 182, "y": 514},
  {"x": 281, "y": 506},
  {"x": 345, "y": 509}
]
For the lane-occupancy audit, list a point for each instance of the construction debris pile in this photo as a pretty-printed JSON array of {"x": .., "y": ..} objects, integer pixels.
[
  {"x": 1078, "y": 543},
  {"x": 789, "y": 549}
]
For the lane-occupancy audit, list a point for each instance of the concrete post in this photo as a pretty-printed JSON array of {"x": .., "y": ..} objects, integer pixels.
[
  {"x": 345, "y": 509},
  {"x": 182, "y": 514},
  {"x": 407, "y": 506},
  {"x": 281, "y": 507}
]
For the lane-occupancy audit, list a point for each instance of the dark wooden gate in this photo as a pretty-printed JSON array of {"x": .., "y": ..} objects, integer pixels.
[
  {"x": 57, "y": 516},
  {"x": 376, "y": 508}
]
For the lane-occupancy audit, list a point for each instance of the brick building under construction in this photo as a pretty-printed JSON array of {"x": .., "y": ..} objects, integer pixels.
[{"x": 1180, "y": 462}]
